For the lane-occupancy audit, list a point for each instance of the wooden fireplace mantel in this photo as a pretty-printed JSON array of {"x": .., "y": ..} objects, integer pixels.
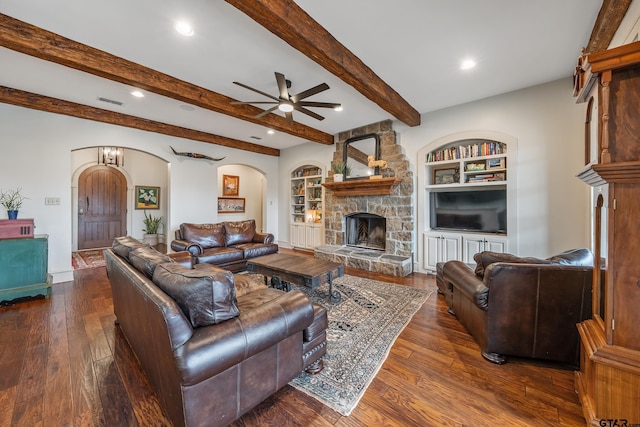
[{"x": 363, "y": 187}]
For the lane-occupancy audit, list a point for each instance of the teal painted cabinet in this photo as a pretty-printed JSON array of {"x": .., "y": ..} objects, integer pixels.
[{"x": 23, "y": 268}]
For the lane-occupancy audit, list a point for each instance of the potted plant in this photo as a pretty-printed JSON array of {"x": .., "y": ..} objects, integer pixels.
[
  {"x": 151, "y": 226},
  {"x": 12, "y": 201},
  {"x": 340, "y": 170}
]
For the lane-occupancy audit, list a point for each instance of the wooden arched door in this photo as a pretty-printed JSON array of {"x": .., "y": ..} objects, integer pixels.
[{"x": 102, "y": 207}]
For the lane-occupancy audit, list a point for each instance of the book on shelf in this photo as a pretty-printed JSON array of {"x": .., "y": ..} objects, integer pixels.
[{"x": 462, "y": 151}]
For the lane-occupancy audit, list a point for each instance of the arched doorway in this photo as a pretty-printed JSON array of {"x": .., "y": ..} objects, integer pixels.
[{"x": 102, "y": 206}]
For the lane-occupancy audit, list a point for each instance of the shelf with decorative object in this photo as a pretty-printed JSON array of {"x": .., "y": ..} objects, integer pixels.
[
  {"x": 363, "y": 187},
  {"x": 485, "y": 170}
]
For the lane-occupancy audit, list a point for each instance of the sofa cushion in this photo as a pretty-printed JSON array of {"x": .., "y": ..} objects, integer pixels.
[
  {"x": 145, "y": 259},
  {"x": 125, "y": 244},
  {"x": 237, "y": 232},
  {"x": 206, "y": 235},
  {"x": 205, "y": 296},
  {"x": 580, "y": 257},
  {"x": 486, "y": 258},
  {"x": 220, "y": 256},
  {"x": 253, "y": 250},
  {"x": 247, "y": 283}
]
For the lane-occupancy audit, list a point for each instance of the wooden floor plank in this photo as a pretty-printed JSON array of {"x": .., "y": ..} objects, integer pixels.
[
  {"x": 58, "y": 412},
  {"x": 83, "y": 372}
]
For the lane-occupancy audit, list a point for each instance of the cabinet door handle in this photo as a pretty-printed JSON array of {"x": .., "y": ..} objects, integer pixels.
[{"x": 87, "y": 202}]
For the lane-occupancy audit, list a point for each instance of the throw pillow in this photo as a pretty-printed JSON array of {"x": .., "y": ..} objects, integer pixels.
[
  {"x": 486, "y": 258},
  {"x": 206, "y": 297},
  {"x": 206, "y": 235},
  {"x": 237, "y": 232},
  {"x": 145, "y": 259}
]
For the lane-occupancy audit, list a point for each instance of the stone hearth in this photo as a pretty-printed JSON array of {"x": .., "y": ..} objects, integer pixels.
[{"x": 397, "y": 208}]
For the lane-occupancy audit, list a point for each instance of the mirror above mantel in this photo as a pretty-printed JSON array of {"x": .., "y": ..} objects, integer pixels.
[{"x": 356, "y": 155}]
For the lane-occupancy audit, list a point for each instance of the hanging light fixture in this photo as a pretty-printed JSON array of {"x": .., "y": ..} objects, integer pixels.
[{"x": 111, "y": 156}]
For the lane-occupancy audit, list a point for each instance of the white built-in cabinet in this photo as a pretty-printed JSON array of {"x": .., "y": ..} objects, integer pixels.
[
  {"x": 442, "y": 246},
  {"x": 306, "y": 229}
]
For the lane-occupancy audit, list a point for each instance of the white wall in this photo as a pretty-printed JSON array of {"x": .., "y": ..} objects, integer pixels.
[
  {"x": 549, "y": 128},
  {"x": 545, "y": 120},
  {"x": 36, "y": 155}
]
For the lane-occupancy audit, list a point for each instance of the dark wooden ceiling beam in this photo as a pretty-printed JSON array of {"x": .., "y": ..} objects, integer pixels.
[
  {"x": 607, "y": 23},
  {"x": 287, "y": 20},
  {"x": 31, "y": 40},
  {"x": 58, "y": 106}
]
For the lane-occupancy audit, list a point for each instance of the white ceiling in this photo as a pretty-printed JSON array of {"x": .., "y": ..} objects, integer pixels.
[{"x": 416, "y": 46}]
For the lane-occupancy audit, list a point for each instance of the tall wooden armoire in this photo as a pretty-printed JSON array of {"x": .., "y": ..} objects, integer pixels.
[{"x": 609, "y": 378}]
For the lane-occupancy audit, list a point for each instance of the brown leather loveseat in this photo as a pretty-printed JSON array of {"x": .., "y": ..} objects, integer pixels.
[
  {"x": 524, "y": 307},
  {"x": 226, "y": 244},
  {"x": 213, "y": 344}
]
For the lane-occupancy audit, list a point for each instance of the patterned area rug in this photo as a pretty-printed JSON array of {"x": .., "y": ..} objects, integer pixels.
[
  {"x": 363, "y": 326},
  {"x": 88, "y": 258}
]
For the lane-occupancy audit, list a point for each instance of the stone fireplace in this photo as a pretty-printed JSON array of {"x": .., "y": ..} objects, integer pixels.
[{"x": 392, "y": 254}]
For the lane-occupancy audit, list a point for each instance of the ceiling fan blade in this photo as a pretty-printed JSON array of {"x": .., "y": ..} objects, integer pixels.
[
  {"x": 307, "y": 93},
  {"x": 318, "y": 104},
  {"x": 253, "y": 102},
  {"x": 289, "y": 116},
  {"x": 256, "y": 90},
  {"x": 282, "y": 86},
  {"x": 298, "y": 107},
  {"x": 265, "y": 112}
]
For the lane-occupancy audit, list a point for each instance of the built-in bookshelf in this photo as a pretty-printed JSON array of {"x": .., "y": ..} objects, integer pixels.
[{"x": 307, "y": 197}]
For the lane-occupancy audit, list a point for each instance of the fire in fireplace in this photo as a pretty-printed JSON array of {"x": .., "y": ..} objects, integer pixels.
[{"x": 365, "y": 230}]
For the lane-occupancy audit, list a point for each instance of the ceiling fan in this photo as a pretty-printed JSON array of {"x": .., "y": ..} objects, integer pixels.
[{"x": 287, "y": 103}]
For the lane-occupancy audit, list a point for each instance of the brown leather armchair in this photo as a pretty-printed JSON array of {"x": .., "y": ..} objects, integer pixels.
[{"x": 524, "y": 307}]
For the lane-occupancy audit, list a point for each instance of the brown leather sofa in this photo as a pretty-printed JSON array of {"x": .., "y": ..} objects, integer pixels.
[
  {"x": 226, "y": 244},
  {"x": 213, "y": 344},
  {"x": 524, "y": 307}
]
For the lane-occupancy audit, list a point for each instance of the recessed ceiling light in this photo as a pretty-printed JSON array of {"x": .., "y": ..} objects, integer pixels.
[
  {"x": 467, "y": 64},
  {"x": 184, "y": 28},
  {"x": 187, "y": 107},
  {"x": 271, "y": 131},
  {"x": 338, "y": 108},
  {"x": 137, "y": 94}
]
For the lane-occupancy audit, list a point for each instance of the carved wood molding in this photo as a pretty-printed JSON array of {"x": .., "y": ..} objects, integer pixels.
[
  {"x": 53, "y": 105},
  {"x": 602, "y": 173},
  {"x": 363, "y": 187},
  {"x": 31, "y": 40},
  {"x": 287, "y": 20}
]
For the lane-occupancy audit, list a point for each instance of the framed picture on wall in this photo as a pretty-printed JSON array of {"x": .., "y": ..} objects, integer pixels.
[
  {"x": 230, "y": 185},
  {"x": 231, "y": 204},
  {"x": 147, "y": 197}
]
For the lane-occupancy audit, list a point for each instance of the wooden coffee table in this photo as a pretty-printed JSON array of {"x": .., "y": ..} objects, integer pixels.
[{"x": 298, "y": 270}]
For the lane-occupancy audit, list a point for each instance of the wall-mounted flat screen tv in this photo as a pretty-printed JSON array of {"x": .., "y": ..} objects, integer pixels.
[{"x": 469, "y": 210}]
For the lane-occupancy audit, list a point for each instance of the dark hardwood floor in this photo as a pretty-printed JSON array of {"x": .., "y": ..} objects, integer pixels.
[{"x": 63, "y": 362}]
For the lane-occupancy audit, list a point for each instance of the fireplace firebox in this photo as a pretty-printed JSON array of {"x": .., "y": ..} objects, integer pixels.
[{"x": 365, "y": 230}]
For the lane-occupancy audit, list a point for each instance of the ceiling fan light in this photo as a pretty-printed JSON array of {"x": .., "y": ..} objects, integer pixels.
[
  {"x": 285, "y": 107},
  {"x": 184, "y": 28},
  {"x": 338, "y": 108}
]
